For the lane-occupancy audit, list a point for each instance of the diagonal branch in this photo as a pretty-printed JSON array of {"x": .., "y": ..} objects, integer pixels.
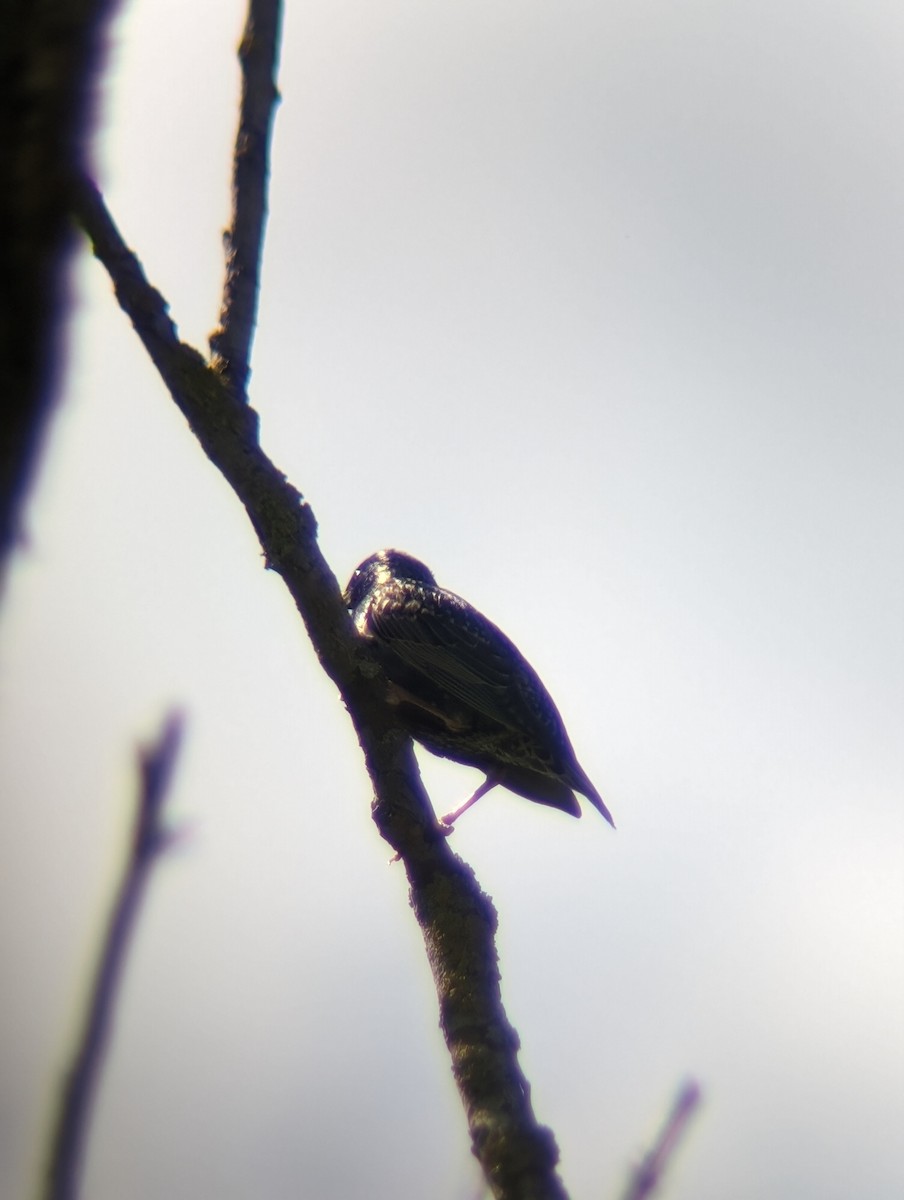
[
  {"x": 150, "y": 840},
  {"x": 458, "y": 921},
  {"x": 243, "y": 241},
  {"x": 647, "y": 1176}
]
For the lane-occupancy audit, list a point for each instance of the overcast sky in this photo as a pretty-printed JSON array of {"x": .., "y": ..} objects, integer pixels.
[{"x": 596, "y": 308}]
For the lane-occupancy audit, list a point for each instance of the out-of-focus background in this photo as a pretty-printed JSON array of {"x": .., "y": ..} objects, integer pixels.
[{"x": 598, "y": 310}]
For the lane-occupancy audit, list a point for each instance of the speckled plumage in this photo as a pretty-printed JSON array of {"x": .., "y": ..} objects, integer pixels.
[{"x": 462, "y": 688}]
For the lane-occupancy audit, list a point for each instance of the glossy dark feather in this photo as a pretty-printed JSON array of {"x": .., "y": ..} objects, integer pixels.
[{"x": 461, "y": 687}]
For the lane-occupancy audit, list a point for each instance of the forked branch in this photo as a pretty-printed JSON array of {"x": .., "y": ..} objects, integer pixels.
[{"x": 458, "y": 921}]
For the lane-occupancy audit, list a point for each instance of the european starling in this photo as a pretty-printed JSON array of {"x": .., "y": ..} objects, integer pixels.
[{"x": 461, "y": 688}]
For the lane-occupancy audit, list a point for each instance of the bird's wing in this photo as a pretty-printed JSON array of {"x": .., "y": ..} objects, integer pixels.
[{"x": 442, "y": 638}]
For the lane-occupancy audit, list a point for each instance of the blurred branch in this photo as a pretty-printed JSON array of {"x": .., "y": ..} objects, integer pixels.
[
  {"x": 49, "y": 54},
  {"x": 243, "y": 241},
  {"x": 150, "y": 839},
  {"x": 648, "y": 1175},
  {"x": 518, "y": 1156}
]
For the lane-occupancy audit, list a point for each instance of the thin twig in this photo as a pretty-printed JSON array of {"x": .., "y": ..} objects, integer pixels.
[
  {"x": 517, "y": 1154},
  {"x": 243, "y": 241},
  {"x": 648, "y": 1174},
  {"x": 150, "y": 839}
]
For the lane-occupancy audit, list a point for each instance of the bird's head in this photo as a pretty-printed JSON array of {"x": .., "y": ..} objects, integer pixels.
[{"x": 379, "y": 569}]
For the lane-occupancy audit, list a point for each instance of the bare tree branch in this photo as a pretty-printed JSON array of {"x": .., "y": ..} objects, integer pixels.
[
  {"x": 243, "y": 241},
  {"x": 150, "y": 839},
  {"x": 458, "y": 921},
  {"x": 648, "y": 1175}
]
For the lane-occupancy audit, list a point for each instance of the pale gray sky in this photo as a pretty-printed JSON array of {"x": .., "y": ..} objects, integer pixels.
[{"x": 598, "y": 310}]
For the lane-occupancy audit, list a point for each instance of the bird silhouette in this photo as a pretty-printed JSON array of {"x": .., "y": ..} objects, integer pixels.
[{"x": 461, "y": 688}]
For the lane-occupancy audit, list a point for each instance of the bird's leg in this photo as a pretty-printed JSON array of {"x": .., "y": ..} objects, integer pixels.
[{"x": 450, "y": 818}]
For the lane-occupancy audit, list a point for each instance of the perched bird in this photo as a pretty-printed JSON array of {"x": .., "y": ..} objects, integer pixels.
[{"x": 461, "y": 688}]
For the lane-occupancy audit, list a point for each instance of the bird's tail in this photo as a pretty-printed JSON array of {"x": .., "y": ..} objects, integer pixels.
[{"x": 586, "y": 788}]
